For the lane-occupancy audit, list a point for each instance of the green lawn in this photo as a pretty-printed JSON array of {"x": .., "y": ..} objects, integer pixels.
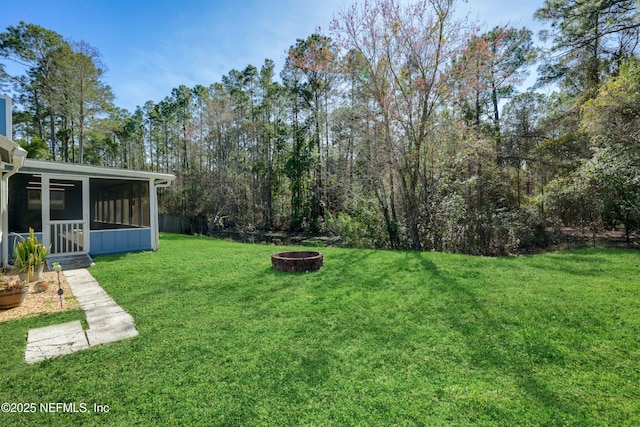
[{"x": 373, "y": 338}]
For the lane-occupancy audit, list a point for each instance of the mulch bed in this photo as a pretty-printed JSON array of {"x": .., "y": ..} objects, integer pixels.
[{"x": 48, "y": 301}]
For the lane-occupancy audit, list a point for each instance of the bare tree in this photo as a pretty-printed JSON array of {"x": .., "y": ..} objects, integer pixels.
[{"x": 404, "y": 52}]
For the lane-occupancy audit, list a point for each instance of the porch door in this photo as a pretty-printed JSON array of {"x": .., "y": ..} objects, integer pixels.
[{"x": 65, "y": 214}]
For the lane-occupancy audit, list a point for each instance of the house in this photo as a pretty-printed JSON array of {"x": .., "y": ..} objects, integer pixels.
[{"x": 75, "y": 209}]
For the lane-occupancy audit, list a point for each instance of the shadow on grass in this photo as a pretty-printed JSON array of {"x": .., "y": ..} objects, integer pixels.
[
  {"x": 354, "y": 295},
  {"x": 109, "y": 258},
  {"x": 577, "y": 262},
  {"x": 490, "y": 343},
  {"x": 173, "y": 237}
]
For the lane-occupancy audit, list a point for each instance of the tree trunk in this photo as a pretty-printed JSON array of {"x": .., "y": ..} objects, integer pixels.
[
  {"x": 496, "y": 120},
  {"x": 52, "y": 133}
]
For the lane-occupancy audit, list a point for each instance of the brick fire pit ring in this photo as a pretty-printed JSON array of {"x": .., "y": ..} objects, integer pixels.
[{"x": 297, "y": 262}]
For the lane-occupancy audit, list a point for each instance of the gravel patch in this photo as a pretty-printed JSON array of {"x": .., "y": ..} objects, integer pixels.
[{"x": 37, "y": 303}]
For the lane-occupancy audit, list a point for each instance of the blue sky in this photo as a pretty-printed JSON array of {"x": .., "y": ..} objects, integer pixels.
[{"x": 151, "y": 47}]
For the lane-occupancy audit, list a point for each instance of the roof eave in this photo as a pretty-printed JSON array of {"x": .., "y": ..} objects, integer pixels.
[{"x": 43, "y": 166}]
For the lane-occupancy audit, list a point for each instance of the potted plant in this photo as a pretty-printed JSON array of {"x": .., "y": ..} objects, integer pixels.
[
  {"x": 29, "y": 256},
  {"x": 12, "y": 293}
]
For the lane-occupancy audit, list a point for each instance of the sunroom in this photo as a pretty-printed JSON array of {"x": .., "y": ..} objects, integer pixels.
[{"x": 83, "y": 210}]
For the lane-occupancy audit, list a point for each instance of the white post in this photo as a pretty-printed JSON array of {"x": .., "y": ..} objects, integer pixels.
[
  {"x": 19, "y": 155},
  {"x": 4, "y": 214},
  {"x": 153, "y": 201},
  {"x": 6, "y": 126},
  {"x": 86, "y": 215},
  {"x": 153, "y": 215},
  {"x": 45, "y": 212}
]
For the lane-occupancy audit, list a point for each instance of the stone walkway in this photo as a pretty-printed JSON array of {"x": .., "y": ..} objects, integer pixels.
[{"x": 108, "y": 322}]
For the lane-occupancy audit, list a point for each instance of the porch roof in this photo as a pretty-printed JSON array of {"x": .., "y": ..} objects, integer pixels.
[{"x": 42, "y": 166}]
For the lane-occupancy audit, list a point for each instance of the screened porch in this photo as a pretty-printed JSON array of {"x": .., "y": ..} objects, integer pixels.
[{"x": 76, "y": 212}]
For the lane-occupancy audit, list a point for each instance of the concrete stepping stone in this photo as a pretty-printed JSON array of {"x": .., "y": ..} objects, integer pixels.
[
  {"x": 95, "y": 301},
  {"x": 109, "y": 335},
  {"x": 102, "y": 310},
  {"x": 86, "y": 290},
  {"x": 108, "y": 322},
  {"x": 52, "y": 341}
]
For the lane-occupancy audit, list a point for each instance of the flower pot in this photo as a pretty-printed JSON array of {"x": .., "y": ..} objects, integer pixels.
[
  {"x": 33, "y": 276},
  {"x": 12, "y": 299},
  {"x": 25, "y": 276},
  {"x": 37, "y": 274}
]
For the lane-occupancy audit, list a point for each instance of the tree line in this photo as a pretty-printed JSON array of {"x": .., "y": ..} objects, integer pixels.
[{"x": 400, "y": 128}]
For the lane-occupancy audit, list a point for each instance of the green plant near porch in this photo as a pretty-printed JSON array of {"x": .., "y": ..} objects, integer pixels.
[{"x": 29, "y": 254}]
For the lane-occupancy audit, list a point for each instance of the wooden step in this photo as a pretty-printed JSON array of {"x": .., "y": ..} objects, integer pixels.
[{"x": 70, "y": 262}]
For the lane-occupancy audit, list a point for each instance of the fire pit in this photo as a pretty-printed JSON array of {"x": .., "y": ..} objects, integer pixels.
[{"x": 296, "y": 262}]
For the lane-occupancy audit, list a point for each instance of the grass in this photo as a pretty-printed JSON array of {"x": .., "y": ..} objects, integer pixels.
[{"x": 373, "y": 338}]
